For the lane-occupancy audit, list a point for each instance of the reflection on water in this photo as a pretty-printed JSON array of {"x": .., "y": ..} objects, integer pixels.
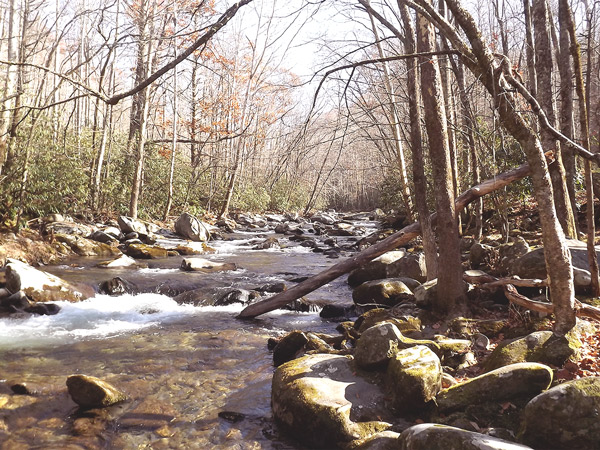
[{"x": 180, "y": 365}]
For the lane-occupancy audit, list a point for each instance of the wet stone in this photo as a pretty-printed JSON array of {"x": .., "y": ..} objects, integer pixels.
[{"x": 92, "y": 392}]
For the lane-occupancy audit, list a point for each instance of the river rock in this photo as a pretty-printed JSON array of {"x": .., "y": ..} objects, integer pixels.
[
  {"x": 105, "y": 238},
  {"x": 87, "y": 247},
  {"x": 324, "y": 218},
  {"x": 322, "y": 401},
  {"x": 143, "y": 251},
  {"x": 67, "y": 227},
  {"x": 379, "y": 343},
  {"x": 43, "y": 309},
  {"x": 191, "y": 228},
  {"x": 404, "y": 322},
  {"x": 129, "y": 225},
  {"x": 425, "y": 295},
  {"x": 565, "y": 416},
  {"x": 204, "y": 265},
  {"x": 15, "y": 302},
  {"x": 216, "y": 296},
  {"x": 117, "y": 286},
  {"x": 41, "y": 286},
  {"x": 288, "y": 347},
  {"x": 541, "y": 346},
  {"x": 514, "y": 381},
  {"x": 388, "y": 292},
  {"x": 376, "y": 269},
  {"x": 92, "y": 392},
  {"x": 384, "y": 440},
  {"x": 414, "y": 377},
  {"x": 433, "y": 436},
  {"x": 533, "y": 264},
  {"x": 194, "y": 248},
  {"x": 120, "y": 262},
  {"x": 270, "y": 242}
]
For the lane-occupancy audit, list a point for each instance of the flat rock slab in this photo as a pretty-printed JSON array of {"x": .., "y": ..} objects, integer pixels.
[
  {"x": 322, "y": 402},
  {"x": 430, "y": 436},
  {"x": 204, "y": 265}
]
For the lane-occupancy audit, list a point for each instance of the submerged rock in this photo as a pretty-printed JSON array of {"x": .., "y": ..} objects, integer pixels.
[
  {"x": 191, "y": 228},
  {"x": 433, "y": 436},
  {"x": 541, "y": 346},
  {"x": 565, "y": 416},
  {"x": 517, "y": 380},
  {"x": 117, "y": 286},
  {"x": 92, "y": 392},
  {"x": 204, "y": 265},
  {"x": 322, "y": 402},
  {"x": 414, "y": 377}
]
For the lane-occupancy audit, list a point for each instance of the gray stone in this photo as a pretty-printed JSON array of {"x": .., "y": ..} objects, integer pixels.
[
  {"x": 433, "y": 436},
  {"x": 192, "y": 228},
  {"x": 414, "y": 377},
  {"x": 376, "y": 269},
  {"x": 480, "y": 255},
  {"x": 204, "y": 265},
  {"x": 425, "y": 295},
  {"x": 565, "y": 416},
  {"x": 128, "y": 225}
]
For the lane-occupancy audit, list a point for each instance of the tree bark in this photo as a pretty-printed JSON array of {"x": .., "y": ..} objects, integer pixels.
[{"x": 451, "y": 290}]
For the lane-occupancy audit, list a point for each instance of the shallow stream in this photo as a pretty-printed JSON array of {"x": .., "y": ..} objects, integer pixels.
[{"x": 197, "y": 377}]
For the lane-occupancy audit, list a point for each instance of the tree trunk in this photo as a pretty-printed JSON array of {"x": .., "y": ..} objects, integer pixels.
[
  {"x": 544, "y": 68},
  {"x": 451, "y": 289},
  {"x": 416, "y": 146}
]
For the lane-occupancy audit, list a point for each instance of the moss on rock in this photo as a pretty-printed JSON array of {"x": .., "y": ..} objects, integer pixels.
[
  {"x": 517, "y": 380},
  {"x": 565, "y": 416}
]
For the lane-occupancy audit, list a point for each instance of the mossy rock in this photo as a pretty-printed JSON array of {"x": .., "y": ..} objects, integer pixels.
[
  {"x": 523, "y": 380},
  {"x": 463, "y": 326},
  {"x": 379, "y": 343},
  {"x": 388, "y": 292},
  {"x": 414, "y": 377},
  {"x": 541, "y": 346},
  {"x": 565, "y": 416},
  {"x": 405, "y": 323},
  {"x": 143, "y": 251},
  {"x": 324, "y": 402},
  {"x": 431, "y": 436},
  {"x": 289, "y": 346},
  {"x": 384, "y": 440}
]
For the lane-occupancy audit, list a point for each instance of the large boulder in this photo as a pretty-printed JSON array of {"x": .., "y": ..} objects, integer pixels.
[
  {"x": 387, "y": 292},
  {"x": 541, "y": 346},
  {"x": 514, "y": 381},
  {"x": 433, "y": 436},
  {"x": 41, "y": 286},
  {"x": 414, "y": 377},
  {"x": 92, "y": 392},
  {"x": 67, "y": 227},
  {"x": 324, "y": 218},
  {"x": 565, "y": 416},
  {"x": 323, "y": 402},
  {"x": 129, "y": 225},
  {"x": 191, "y": 228}
]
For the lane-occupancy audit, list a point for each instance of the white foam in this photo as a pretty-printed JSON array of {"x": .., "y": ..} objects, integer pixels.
[{"x": 99, "y": 317}]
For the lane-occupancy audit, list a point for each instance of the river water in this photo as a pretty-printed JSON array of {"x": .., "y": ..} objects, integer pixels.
[{"x": 196, "y": 377}]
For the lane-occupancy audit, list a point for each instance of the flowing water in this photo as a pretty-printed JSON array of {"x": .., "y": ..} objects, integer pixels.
[{"x": 196, "y": 377}]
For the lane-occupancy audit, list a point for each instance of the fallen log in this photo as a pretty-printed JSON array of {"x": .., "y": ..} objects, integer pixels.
[
  {"x": 513, "y": 296},
  {"x": 397, "y": 239}
]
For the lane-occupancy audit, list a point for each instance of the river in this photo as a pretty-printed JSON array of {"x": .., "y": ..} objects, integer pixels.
[{"x": 196, "y": 377}]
